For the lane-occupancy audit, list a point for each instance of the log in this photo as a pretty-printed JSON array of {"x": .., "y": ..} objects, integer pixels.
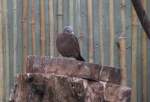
[
  {"x": 142, "y": 15},
  {"x": 34, "y": 87},
  {"x": 73, "y": 68}
]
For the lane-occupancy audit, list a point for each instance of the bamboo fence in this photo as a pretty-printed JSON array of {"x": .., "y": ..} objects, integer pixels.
[{"x": 109, "y": 33}]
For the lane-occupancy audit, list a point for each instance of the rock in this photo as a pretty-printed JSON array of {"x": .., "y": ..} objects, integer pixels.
[{"x": 57, "y": 88}]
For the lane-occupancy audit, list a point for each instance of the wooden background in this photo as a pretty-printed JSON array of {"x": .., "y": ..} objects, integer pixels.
[{"x": 29, "y": 27}]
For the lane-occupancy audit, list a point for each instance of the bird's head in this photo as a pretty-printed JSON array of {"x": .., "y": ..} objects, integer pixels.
[{"x": 68, "y": 29}]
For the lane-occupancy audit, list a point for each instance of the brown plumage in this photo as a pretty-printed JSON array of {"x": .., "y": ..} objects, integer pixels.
[{"x": 68, "y": 46}]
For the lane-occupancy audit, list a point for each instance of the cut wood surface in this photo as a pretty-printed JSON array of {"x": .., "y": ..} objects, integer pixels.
[
  {"x": 72, "y": 67},
  {"x": 54, "y": 88}
]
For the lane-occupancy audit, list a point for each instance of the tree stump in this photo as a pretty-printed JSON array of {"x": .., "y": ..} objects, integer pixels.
[{"x": 68, "y": 80}]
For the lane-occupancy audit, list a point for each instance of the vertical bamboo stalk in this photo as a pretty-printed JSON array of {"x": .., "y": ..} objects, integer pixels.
[
  {"x": 60, "y": 15},
  {"x": 77, "y": 22},
  {"x": 10, "y": 40},
  {"x": 145, "y": 63},
  {"x": 145, "y": 68},
  {"x": 51, "y": 22},
  {"x": 90, "y": 30},
  {"x": 123, "y": 22},
  {"x": 148, "y": 56},
  {"x": 5, "y": 50},
  {"x": 66, "y": 13},
  {"x": 15, "y": 35},
  {"x": 30, "y": 51},
  {"x": 37, "y": 28},
  {"x": 33, "y": 26},
  {"x": 47, "y": 35},
  {"x": 1, "y": 55},
  {"x": 111, "y": 26},
  {"x": 55, "y": 10},
  {"x": 101, "y": 31},
  {"x": 20, "y": 36},
  {"x": 134, "y": 54},
  {"x": 25, "y": 30},
  {"x": 122, "y": 42},
  {"x": 59, "y": 19},
  {"x": 71, "y": 15},
  {"x": 42, "y": 14},
  {"x": 84, "y": 27}
]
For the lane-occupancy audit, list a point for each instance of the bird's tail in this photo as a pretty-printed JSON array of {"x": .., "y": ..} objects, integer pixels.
[{"x": 80, "y": 58}]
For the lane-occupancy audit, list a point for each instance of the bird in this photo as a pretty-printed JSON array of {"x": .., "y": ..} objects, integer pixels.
[{"x": 67, "y": 44}]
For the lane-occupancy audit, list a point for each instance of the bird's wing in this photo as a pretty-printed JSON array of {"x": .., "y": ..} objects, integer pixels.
[
  {"x": 67, "y": 45},
  {"x": 75, "y": 43}
]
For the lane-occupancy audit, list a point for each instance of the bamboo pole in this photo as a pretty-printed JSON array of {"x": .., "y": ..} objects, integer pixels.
[
  {"x": 71, "y": 13},
  {"x": 134, "y": 54},
  {"x": 59, "y": 19},
  {"x": 145, "y": 68},
  {"x": 30, "y": 51},
  {"x": 101, "y": 13},
  {"x": 20, "y": 36},
  {"x": 77, "y": 23},
  {"x": 15, "y": 36},
  {"x": 123, "y": 22},
  {"x": 55, "y": 6},
  {"x": 60, "y": 15},
  {"x": 90, "y": 30},
  {"x": 66, "y": 13},
  {"x": 25, "y": 30},
  {"x": 145, "y": 63},
  {"x": 122, "y": 43},
  {"x": 142, "y": 15},
  {"x": 111, "y": 26},
  {"x": 5, "y": 50},
  {"x": 47, "y": 36},
  {"x": 33, "y": 26},
  {"x": 10, "y": 40},
  {"x": 1, "y": 55},
  {"x": 42, "y": 15},
  {"x": 51, "y": 22},
  {"x": 101, "y": 31}
]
